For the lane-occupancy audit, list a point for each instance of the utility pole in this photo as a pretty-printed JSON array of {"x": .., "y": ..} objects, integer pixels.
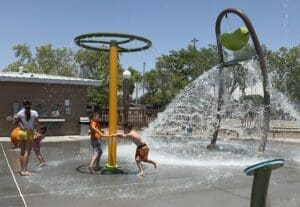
[
  {"x": 126, "y": 88},
  {"x": 136, "y": 94},
  {"x": 144, "y": 66},
  {"x": 194, "y": 42}
]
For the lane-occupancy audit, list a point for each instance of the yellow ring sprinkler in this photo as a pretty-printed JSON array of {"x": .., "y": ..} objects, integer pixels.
[{"x": 96, "y": 41}]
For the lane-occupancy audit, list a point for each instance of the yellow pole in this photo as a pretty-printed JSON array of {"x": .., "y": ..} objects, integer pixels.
[{"x": 113, "y": 104}]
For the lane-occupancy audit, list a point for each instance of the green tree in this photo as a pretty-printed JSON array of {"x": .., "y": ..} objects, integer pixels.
[
  {"x": 175, "y": 70},
  {"x": 24, "y": 58},
  {"x": 23, "y": 53},
  {"x": 55, "y": 61},
  {"x": 64, "y": 62},
  {"x": 285, "y": 71},
  {"x": 135, "y": 77},
  {"x": 45, "y": 59},
  {"x": 48, "y": 60},
  {"x": 95, "y": 65},
  {"x": 150, "y": 78}
]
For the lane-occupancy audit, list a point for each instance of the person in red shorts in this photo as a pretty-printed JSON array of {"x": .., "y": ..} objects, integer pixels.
[{"x": 142, "y": 150}]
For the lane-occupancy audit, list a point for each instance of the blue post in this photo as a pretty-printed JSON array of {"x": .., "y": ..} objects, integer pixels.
[{"x": 262, "y": 173}]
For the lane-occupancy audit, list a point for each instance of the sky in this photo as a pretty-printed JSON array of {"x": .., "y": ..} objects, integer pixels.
[{"x": 169, "y": 24}]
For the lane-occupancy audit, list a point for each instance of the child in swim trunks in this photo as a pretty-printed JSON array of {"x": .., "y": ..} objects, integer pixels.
[
  {"x": 36, "y": 145},
  {"x": 142, "y": 150}
]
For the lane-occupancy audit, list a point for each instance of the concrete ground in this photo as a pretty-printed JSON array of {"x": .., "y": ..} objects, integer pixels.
[{"x": 65, "y": 180}]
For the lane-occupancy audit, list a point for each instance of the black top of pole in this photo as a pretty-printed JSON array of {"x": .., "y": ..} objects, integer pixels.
[{"x": 97, "y": 41}]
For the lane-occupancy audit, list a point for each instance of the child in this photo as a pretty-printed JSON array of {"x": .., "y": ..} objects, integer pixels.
[
  {"x": 27, "y": 120},
  {"x": 96, "y": 134},
  {"x": 142, "y": 150},
  {"x": 36, "y": 145}
]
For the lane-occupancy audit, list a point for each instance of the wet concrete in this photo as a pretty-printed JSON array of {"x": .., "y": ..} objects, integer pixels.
[{"x": 65, "y": 181}]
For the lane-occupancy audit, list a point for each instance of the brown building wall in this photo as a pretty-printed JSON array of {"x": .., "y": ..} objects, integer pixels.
[{"x": 46, "y": 99}]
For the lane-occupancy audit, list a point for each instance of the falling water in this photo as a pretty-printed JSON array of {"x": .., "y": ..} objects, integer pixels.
[{"x": 181, "y": 133}]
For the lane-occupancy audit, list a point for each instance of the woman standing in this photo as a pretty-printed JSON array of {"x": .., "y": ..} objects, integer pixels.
[{"x": 27, "y": 120}]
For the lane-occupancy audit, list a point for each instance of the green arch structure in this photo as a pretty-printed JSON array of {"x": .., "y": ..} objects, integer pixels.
[{"x": 233, "y": 45}]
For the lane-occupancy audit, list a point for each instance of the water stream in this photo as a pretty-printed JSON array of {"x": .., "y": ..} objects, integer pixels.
[{"x": 181, "y": 133}]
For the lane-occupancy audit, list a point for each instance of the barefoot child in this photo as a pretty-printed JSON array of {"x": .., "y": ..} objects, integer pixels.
[
  {"x": 142, "y": 150},
  {"x": 96, "y": 135},
  {"x": 27, "y": 120},
  {"x": 36, "y": 145}
]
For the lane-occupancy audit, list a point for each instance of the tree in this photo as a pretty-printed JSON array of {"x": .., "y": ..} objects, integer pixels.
[
  {"x": 64, "y": 62},
  {"x": 150, "y": 85},
  {"x": 48, "y": 60},
  {"x": 134, "y": 78},
  {"x": 175, "y": 70},
  {"x": 285, "y": 71},
  {"x": 95, "y": 65},
  {"x": 45, "y": 58},
  {"x": 55, "y": 61},
  {"x": 24, "y": 58},
  {"x": 22, "y": 51}
]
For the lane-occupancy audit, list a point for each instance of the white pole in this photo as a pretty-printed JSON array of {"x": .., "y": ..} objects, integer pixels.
[{"x": 136, "y": 94}]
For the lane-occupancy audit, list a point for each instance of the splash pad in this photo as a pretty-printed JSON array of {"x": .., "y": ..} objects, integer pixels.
[{"x": 189, "y": 174}]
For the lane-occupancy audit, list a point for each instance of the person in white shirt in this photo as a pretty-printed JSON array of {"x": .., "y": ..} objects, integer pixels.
[{"x": 27, "y": 119}]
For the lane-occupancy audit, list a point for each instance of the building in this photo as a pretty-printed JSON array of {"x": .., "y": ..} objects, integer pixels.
[{"x": 60, "y": 101}]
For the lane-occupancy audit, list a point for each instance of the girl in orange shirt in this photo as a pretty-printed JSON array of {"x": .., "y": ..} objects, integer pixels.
[{"x": 96, "y": 135}]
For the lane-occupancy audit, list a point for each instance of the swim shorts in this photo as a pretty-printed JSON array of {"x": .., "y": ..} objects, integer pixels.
[
  {"x": 141, "y": 152},
  {"x": 97, "y": 148}
]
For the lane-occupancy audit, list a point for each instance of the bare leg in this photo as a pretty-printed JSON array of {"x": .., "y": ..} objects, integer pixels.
[
  {"x": 139, "y": 164},
  {"x": 152, "y": 162},
  {"x": 25, "y": 153},
  {"x": 97, "y": 161},
  {"x": 39, "y": 156},
  {"x": 22, "y": 152},
  {"x": 94, "y": 157}
]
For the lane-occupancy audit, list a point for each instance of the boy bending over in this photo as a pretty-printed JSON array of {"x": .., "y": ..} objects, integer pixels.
[{"x": 142, "y": 150}]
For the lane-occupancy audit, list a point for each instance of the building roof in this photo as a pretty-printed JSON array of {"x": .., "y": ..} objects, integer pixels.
[{"x": 44, "y": 78}]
